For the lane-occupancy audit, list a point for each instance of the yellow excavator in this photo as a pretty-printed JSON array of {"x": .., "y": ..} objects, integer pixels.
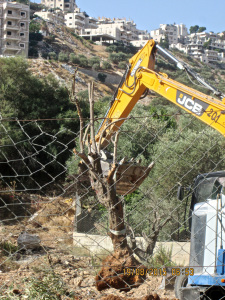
[{"x": 139, "y": 77}]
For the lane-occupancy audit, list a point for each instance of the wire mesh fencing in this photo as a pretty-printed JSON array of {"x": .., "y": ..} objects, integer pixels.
[{"x": 58, "y": 240}]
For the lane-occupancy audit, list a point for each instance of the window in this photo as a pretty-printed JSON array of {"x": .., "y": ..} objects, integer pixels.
[
  {"x": 22, "y": 24},
  {"x": 22, "y": 45},
  {"x": 21, "y": 34},
  {"x": 23, "y": 14},
  {"x": 8, "y": 43},
  {"x": 67, "y": 5},
  {"x": 70, "y": 17},
  {"x": 9, "y": 33},
  {"x": 70, "y": 23},
  {"x": 9, "y": 23},
  {"x": 9, "y": 12}
]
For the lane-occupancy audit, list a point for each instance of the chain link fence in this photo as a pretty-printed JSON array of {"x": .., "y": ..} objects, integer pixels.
[{"x": 55, "y": 234}]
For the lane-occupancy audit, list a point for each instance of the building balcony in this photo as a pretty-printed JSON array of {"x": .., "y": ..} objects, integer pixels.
[
  {"x": 11, "y": 27},
  {"x": 11, "y": 47},
  {"x": 11, "y": 17},
  {"x": 11, "y": 37},
  {"x": 80, "y": 24},
  {"x": 78, "y": 27},
  {"x": 81, "y": 19},
  {"x": 12, "y": 5},
  {"x": 92, "y": 26}
]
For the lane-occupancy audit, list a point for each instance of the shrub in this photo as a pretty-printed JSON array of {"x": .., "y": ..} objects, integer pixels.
[
  {"x": 122, "y": 65},
  {"x": 102, "y": 77},
  {"x": 52, "y": 55},
  {"x": 94, "y": 60},
  {"x": 74, "y": 59},
  {"x": 63, "y": 57},
  {"x": 96, "y": 66},
  {"x": 35, "y": 36},
  {"x": 8, "y": 248},
  {"x": 117, "y": 57},
  {"x": 120, "y": 47},
  {"x": 50, "y": 39},
  {"x": 106, "y": 65},
  {"x": 83, "y": 62},
  {"x": 33, "y": 52}
]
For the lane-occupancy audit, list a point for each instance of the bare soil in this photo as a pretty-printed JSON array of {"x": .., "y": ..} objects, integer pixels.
[{"x": 77, "y": 266}]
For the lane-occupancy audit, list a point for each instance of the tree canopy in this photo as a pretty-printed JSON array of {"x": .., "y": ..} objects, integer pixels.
[{"x": 194, "y": 29}]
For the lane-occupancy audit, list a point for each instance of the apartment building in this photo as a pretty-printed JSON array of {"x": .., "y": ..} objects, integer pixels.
[
  {"x": 14, "y": 29},
  {"x": 80, "y": 21},
  {"x": 64, "y": 5},
  {"x": 116, "y": 29},
  {"x": 56, "y": 16},
  {"x": 174, "y": 32},
  {"x": 195, "y": 44}
]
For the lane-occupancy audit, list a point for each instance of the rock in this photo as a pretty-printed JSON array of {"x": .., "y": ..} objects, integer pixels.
[
  {"x": 78, "y": 281},
  {"x": 28, "y": 241}
]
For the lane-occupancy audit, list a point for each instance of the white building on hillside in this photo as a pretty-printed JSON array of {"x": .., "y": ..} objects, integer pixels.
[
  {"x": 202, "y": 45},
  {"x": 175, "y": 33},
  {"x": 14, "y": 29},
  {"x": 55, "y": 16},
  {"x": 80, "y": 21},
  {"x": 64, "y": 5},
  {"x": 118, "y": 29}
]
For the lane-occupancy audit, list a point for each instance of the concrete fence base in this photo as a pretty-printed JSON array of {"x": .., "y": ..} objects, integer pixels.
[{"x": 98, "y": 244}]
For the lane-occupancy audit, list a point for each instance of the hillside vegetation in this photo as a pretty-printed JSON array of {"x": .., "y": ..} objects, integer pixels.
[{"x": 38, "y": 89}]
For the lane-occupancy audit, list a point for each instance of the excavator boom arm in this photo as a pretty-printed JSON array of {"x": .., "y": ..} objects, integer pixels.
[{"x": 141, "y": 76}]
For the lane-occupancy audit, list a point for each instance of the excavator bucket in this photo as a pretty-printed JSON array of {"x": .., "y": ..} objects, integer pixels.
[{"x": 129, "y": 177}]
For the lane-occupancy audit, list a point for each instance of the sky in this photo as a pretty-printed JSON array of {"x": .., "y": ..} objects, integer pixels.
[{"x": 148, "y": 14}]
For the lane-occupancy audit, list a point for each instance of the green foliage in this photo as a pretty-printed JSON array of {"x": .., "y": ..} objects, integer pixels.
[
  {"x": 36, "y": 6},
  {"x": 33, "y": 52},
  {"x": 50, "y": 38},
  {"x": 45, "y": 285},
  {"x": 201, "y": 29},
  {"x": 35, "y": 36},
  {"x": 74, "y": 59},
  {"x": 8, "y": 248},
  {"x": 120, "y": 47},
  {"x": 25, "y": 96},
  {"x": 52, "y": 55},
  {"x": 83, "y": 61},
  {"x": 194, "y": 29},
  {"x": 63, "y": 57},
  {"x": 122, "y": 65},
  {"x": 34, "y": 27},
  {"x": 162, "y": 114},
  {"x": 207, "y": 44},
  {"x": 96, "y": 66},
  {"x": 165, "y": 42},
  {"x": 106, "y": 65},
  {"x": 102, "y": 77},
  {"x": 94, "y": 60},
  {"x": 185, "y": 157},
  {"x": 117, "y": 57},
  {"x": 163, "y": 257},
  {"x": 83, "y": 96},
  {"x": 48, "y": 286},
  {"x": 23, "y": 1}
]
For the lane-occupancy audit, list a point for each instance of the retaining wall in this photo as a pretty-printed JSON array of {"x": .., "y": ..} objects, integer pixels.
[{"x": 98, "y": 244}]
